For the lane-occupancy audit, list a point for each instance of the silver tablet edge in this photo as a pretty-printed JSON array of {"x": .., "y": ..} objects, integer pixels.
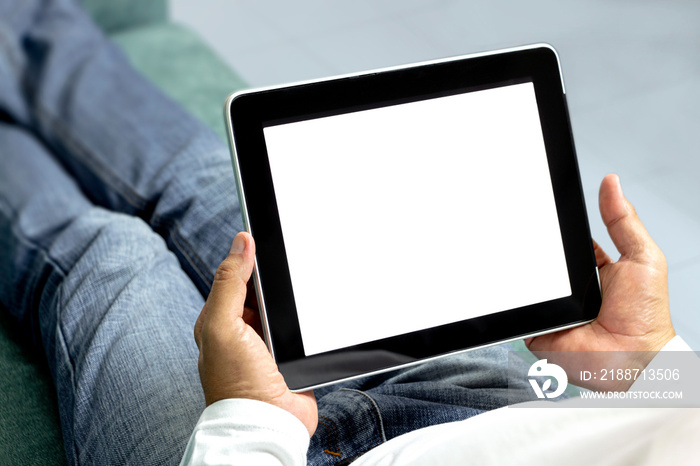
[
  {"x": 422, "y": 361},
  {"x": 405, "y": 66},
  {"x": 246, "y": 223}
]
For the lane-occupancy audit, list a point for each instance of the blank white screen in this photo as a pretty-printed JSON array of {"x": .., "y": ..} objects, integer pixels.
[{"x": 417, "y": 215}]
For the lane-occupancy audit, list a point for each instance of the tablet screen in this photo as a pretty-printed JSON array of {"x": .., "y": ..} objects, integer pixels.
[{"x": 412, "y": 216}]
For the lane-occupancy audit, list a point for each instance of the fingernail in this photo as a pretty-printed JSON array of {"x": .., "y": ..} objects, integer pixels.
[
  {"x": 619, "y": 183},
  {"x": 238, "y": 245}
]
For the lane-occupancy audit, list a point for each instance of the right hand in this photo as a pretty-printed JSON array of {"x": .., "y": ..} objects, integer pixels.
[
  {"x": 233, "y": 360},
  {"x": 634, "y": 316}
]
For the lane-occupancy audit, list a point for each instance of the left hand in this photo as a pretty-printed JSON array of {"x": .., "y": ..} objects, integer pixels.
[{"x": 234, "y": 362}]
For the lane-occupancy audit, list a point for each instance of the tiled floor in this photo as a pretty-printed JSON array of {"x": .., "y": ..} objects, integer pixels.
[{"x": 632, "y": 71}]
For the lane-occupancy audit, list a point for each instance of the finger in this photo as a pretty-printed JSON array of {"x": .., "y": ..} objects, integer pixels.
[
  {"x": 601, "y": 257},
  {"x": 624, "y": 227},
  {"x": 228, "y": 290}
]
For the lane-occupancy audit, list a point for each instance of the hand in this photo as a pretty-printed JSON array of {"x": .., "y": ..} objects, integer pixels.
[
  {"x": 634, "y": 315},
  {"x": 233, "y": 360}
]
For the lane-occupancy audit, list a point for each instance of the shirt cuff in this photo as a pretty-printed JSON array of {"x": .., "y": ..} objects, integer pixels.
[
  {"x": 242, "y": 431},
  {"x": 676, "y": 344},
  {"x": 689, "y": 363}
]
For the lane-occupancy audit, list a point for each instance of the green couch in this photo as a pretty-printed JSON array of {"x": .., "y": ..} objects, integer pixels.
[{"x": 181, "y": 64}]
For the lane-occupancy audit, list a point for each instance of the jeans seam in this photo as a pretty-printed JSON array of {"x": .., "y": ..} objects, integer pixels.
[
  {"x": 337, "y": 453},
  {"x": 21, "y": 237},
  {"x": 198, "y": 265},
  {"x": 61, "y": 340},
  {"x": 375, "y": 408},
  {"x": 13, "y": 58},
  {"x": 129, "y": 195},
  {"x": 81, "y": 153}
]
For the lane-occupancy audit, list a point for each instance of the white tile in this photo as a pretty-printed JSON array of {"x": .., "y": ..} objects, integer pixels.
[
  {"x": 313, "y": 18},
  {"x": 678, "y": 184},
  {"x": 393, "y": 7},
  {"x": 277, "y": 64},
  {"x": 477, "y": 25},
  {"x": 368, "y": 46},
  {"x": 675, "y": 231},
  {"x": 672, "y": 228},
  {"x": 648, "y": 133},
  {"x": 228, "y": 27}
]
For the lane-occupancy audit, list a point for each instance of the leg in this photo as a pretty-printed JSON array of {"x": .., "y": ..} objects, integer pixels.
[
  {"x": 131, "y": 148},
  {"x": 113, "y": 308},
  {"x": 359, "y": 415}
]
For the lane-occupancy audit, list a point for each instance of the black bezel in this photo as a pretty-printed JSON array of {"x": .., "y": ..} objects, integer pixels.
[{"x": 251, "y": 111}]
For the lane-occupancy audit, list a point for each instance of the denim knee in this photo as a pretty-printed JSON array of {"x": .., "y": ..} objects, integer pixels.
[{"x": 118, "y": 334}]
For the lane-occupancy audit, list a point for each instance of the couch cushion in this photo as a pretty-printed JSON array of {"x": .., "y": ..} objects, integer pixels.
[
  {"x": 181, "y": 64},
  {"x": 30, "y": 430},
  {"x": 116, "y": 15}
]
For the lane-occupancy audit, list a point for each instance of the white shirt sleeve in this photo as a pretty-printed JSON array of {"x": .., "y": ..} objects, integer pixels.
[
  {"x": 661, "y": 361},
  {"x": 252, "y": 432},
  {"x": 241, "y": 431},
  {"x": 542, "y": 432},
  {"x": 676, "y": 344}
]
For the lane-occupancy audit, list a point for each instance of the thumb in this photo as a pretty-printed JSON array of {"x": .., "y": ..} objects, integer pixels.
[
  {"x": 624, "y": 226},
  {"x": 228, "y": 290}
]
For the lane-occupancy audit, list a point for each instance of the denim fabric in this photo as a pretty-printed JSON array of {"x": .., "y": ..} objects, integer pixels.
[
  {"x": 114, "y": 309},
  {"x": 358, "y": 415},
  {"x": 130, "y": 148},
  {"x": 116, "y": 207}
]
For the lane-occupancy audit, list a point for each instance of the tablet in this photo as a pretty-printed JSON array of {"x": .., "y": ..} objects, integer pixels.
[{"x": 412, "y": 212}]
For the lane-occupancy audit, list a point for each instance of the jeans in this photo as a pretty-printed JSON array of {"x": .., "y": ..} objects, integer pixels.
[{"x": 116, "y": 207}]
